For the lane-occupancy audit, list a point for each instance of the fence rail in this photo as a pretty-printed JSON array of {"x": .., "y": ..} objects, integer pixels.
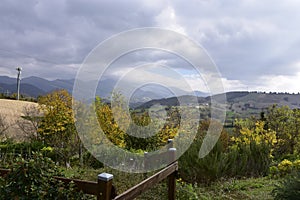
[
  {"x": 104, "y": 189},
  {"x": 135, "y": 191}
]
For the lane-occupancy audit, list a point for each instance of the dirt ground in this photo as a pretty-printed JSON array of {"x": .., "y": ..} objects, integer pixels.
[{"x": 11, "y": 111}]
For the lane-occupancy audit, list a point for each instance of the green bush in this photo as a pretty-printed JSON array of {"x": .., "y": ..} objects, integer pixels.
[
  {"x": 33, "y": 179},
  {"x": 285, "y": 167},
  {"x": 205, "y": 170},
  {"x": 90, "y": 161},
  {"x": 248, "y": 160},
  {"x": 10, "y": 148},
  {"x": 289, "y": 188},
  {"x": 242, "y": 161},
  {"x": 185, "y": 190}
]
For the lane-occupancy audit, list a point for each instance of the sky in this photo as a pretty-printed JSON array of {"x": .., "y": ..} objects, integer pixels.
[{"x": 255, "y": 44}]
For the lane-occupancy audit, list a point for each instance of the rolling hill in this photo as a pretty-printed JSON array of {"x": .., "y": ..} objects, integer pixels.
[{"x": 239, "y": 104}]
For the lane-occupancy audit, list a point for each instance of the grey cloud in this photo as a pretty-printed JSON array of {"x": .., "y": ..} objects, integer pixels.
[
  {"x": 245, "y": 38},
  {"x": 54, "y": 33}
]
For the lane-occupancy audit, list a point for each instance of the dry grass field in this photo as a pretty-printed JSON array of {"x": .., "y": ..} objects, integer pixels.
[{"x": 11, "y": 111}]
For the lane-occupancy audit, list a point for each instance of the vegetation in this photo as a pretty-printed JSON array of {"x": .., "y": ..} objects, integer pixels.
[
  {"x": 257, "y": 159},
  {"x": 289, "y": 188},
  {"x": 33, "y": 179},
  {"x": 57, "y": 128}
]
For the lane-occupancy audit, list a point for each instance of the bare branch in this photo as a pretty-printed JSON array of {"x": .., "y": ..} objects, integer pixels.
[{"x": 29, "y": 122}]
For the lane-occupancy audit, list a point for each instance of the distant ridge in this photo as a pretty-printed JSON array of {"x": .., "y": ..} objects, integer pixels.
[
  {"x": 241, "y": 103},
  {"x": 35, "y": 86},
  {"x": 237, "y": 101}
]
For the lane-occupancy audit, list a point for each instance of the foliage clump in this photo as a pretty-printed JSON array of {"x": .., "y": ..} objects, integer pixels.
[
  {"x": 34, "y": 179},
  {"x": 288, "y": 189}
]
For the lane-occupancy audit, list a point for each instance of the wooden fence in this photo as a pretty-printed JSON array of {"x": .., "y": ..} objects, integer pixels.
[
  {"x": 168, "y": 172},
  {"x": 104, "y": 189}
]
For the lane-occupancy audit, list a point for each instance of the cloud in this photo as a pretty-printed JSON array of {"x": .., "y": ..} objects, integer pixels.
[
  {"x": 253, "y": 43},
  {"x": 279, "y": 83},
  {"x": 61, "y": 33},
  {"x": 244, "y": 38}
]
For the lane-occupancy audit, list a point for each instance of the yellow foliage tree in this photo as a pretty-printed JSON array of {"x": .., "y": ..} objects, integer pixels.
[{"x": 57, "y": 127}]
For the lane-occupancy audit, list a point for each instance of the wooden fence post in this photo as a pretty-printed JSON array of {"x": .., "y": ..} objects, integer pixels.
[
  {"x": 170, "y": 143},
  {"x": 172, "y": 154},
  {"x": 105, "y": 186},
  {"x": 172, "y": 177}
]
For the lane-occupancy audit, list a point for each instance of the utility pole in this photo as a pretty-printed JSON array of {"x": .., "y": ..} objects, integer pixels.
[{"x": 19, "y": 69}]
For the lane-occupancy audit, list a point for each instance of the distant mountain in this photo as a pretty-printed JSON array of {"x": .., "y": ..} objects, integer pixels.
[
  {"x": 8, "y": 80},
  {"x": 26, "y": 89},
  {"x": 240, "y": 103},
  {"x": 201, "y": 94},
  {"x": 49, "y": 86},
  {"x": 172, "y": 101},
  {"x": 35, "y": 86}
]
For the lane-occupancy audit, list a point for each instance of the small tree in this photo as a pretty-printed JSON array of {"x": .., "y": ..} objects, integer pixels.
[
  {"x": 57, "y": 127},
  {"x": 29, "y": 122},
  {"x": 286, "y": 123}
]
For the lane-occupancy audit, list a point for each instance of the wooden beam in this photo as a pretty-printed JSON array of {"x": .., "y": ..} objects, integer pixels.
[{"x": 148, "y": 183}]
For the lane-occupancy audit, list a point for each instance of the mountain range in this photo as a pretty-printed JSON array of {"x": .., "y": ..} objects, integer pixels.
[
  {"x": 35, "y": 86},
  {"x": 145, "y": 97},
  {"x": 241, "y": 103}
]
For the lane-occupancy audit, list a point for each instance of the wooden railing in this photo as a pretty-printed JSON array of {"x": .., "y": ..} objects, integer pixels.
[
  {"x": 168, "y": 172},
  {"x": 104, "y": 189}
]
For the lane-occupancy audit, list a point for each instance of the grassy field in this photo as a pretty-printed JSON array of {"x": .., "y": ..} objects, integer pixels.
[{"x": 12, "y": 111}]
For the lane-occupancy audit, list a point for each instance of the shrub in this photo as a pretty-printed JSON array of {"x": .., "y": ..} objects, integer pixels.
[
  {"x": 296, "y": 165},
  {"x": 247, "y": 160},
  {"x": 90, "y": 161},
  {"x": 243, "y": 160},
  {"x": 185, "y": 190},
  {"x": 288, "y": 189},
  {"x": 273, "y": 171},
  {"x": 33, "y": 179},
  {"x": 205, "y": 170},
  {"x": 285, "y": 166}
]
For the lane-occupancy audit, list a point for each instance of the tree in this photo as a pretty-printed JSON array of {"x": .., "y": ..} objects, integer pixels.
[
  {"x": 286, "y": 123},
  {"x": 29, "y": 122},
  {"x": 57, "y": 127},
  {"x": 108, "y": 124}
]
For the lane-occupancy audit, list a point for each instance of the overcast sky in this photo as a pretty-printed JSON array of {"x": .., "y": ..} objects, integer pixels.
[{"x": 254, "y": 43}]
